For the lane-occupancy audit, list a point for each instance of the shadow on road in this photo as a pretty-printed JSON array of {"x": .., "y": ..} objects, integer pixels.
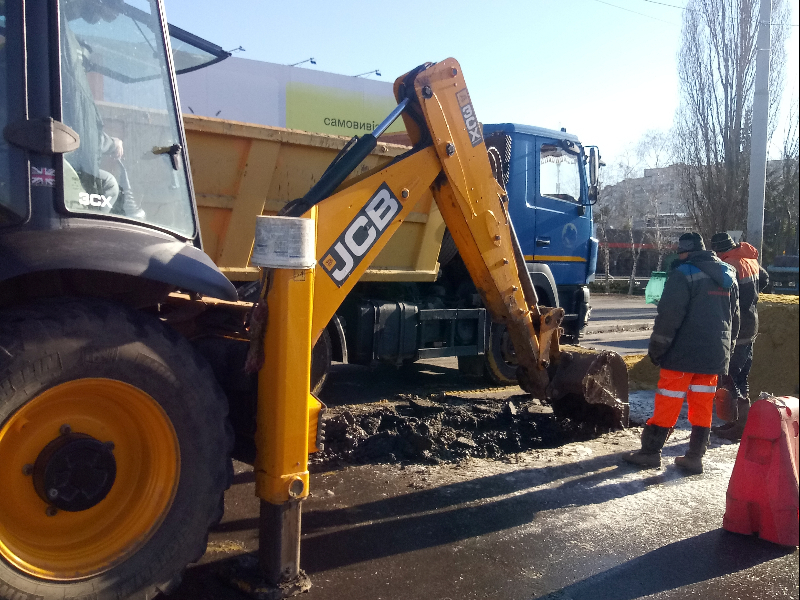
[
  {"x": 455, "y": 512},
  {"x": 644, "y": 311},
  {"x": 637, "y": 345},
  {"x": 600, "y": 470},
  {"x": 700, "y": 558},
  {"x": 482, "y": 488}
]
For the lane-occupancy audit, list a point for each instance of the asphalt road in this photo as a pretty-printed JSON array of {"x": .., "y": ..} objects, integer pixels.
[
  {"x": 619, "y": 323},
  {"x": 566, "y": 523}
]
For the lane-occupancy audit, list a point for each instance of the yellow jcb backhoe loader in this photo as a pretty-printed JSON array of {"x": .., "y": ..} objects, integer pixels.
[
  {"x": 115, "y": 439},
  {"x": 352, "y": 223}
]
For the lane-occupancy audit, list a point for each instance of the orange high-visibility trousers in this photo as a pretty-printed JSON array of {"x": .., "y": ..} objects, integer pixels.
[{"x": 673, "y": 387}]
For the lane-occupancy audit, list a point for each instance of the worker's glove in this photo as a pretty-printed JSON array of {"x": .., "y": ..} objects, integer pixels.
[{"x": 653, "y": 359}]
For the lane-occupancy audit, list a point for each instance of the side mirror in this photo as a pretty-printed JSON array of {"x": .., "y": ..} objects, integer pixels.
[
  {"x": 593, "y": 194},
  {"x": 594, "y": 166}
]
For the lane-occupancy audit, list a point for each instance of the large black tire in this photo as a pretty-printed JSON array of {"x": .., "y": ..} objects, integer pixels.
[
  {"x": 448, "y": 249},
  {"x": 499, "y": 365},
  {"x": 500, "y": 360},
  {"x": 61, "y": 342},
  {"x": 321, "y": 356}
]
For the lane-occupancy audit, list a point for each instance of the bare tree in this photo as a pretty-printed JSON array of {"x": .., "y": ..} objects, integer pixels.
[
  {"x": 627, "y": 207},
  {"x": 654, "y": 151},
  {"x": 624, "y": 206},
  {"x": 636, "y": 250},
  {"x": 716, "y": 68},
  {"x": 601, "y": 221}
]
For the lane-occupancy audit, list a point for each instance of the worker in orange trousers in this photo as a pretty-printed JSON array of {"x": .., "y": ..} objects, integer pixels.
[{"x": 696, "y": 324}]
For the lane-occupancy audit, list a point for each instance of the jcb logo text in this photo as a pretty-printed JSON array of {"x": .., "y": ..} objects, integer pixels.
[
  {"x": 94, "y": 200},
  {"x": 350, "y": 247}
]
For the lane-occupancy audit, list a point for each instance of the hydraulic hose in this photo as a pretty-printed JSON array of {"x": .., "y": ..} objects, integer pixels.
[{"x": 342, "y": 166}]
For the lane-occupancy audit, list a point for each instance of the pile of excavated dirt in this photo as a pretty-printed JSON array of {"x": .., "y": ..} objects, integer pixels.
[
  {"x": 775, "y": 355},
  {"x": 443, "y": 428},
  {"x": 642, "y": 373}
]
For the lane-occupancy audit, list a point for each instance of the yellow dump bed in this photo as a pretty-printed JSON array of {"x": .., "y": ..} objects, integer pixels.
[{"x": 241, "y": 170}]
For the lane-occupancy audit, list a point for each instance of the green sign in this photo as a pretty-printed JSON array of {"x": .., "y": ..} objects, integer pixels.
[{"x": 322, "y": 109}]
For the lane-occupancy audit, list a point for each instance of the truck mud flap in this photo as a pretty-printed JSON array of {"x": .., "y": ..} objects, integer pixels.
[{"x": 590, "y": 386}]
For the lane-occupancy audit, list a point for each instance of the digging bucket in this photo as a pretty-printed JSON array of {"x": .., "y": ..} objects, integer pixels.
[{"x": 590, "y": 386}]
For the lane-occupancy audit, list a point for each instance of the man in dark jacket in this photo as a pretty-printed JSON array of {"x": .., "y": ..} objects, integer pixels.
[
  {"x": 698, "y": 317},
  {"x": 752, "y": 278}
]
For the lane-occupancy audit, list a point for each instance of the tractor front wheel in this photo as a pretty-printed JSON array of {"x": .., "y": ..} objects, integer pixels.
[{"x": 114, "y": 449}]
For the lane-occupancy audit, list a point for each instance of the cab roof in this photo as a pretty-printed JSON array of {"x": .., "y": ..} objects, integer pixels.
[{"x": 530, "y": 130}]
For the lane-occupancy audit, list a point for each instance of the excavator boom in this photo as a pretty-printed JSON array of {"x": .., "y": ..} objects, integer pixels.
[
  {"x": 354, "y": 221},
  {"x": 449, "y": 157}
]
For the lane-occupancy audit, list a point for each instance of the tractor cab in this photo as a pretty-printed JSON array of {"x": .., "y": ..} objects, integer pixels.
[{"x": 93, "y": 143}]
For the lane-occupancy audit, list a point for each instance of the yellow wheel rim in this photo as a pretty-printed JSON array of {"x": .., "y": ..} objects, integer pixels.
[{"x": 75, "y": 545}]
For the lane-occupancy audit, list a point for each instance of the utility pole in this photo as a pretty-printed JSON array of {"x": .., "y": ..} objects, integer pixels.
[{"x": 758, "y": 136}]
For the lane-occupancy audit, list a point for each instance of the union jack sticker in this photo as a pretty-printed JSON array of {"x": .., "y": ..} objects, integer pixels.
[{"x": 43, "y": 177}]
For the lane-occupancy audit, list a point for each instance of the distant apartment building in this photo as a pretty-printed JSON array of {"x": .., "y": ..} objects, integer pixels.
[
  {"x": 653, "y": 200},
  {"x": 648, "y": 201},
  {"x": 647, "y": 215}
]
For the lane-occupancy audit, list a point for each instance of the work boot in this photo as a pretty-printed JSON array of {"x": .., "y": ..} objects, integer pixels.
[
  {"x": 732, "y": 433},
  {"x": 653, "y": 439},
  {"x": 692, "y": 461},
  {"x": 735, "y": 431}
]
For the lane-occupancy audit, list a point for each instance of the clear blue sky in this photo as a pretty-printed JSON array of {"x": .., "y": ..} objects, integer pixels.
[{"x": 604, "y": 72}]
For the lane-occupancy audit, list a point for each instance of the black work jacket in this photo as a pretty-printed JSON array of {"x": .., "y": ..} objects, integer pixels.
[
  {"x": 698, "y": 316},
  {"x": 752, "y": 279}
]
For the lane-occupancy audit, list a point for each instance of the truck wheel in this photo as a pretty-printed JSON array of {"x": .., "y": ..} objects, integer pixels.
[
  {"x": 114, "y": 453},
  {"x": 500, "y": 364},
  {"x": 321, "y": 356},
  {"x": 571, "y": 334}
]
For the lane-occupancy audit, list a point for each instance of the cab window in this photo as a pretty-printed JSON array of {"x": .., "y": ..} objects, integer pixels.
[
  {"x": 13, "y": 199},
  {"x": 559, "y": 173},
  {"x": 117, "y": 94}
]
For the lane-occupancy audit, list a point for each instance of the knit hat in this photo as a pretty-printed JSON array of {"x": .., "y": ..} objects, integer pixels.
[
  {"x": 690, "y": 242},
  {"x": 722, "y": 242}
]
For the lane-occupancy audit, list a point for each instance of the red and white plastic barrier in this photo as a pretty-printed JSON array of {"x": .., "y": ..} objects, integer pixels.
[{"x": 763, "y": 491}]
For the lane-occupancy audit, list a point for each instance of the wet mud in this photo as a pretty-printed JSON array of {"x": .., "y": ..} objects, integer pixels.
[{"x": 443, "y": 428}]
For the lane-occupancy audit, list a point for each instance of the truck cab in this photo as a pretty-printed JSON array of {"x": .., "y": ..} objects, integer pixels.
[{"x": 551, "y": 194}]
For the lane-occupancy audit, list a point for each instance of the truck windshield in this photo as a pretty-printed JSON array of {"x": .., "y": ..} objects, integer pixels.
[
  {"x": 559, "y": 174},
  {"x": 116, "y": 93}
]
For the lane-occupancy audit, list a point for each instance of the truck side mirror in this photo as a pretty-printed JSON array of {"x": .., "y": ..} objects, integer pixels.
[
  {"x": 594, "y": 173},
  {"x": 594, "y": 166},
  {"x": 592, "y": 194}
]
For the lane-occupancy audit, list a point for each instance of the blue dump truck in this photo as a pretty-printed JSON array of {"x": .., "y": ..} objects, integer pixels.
[
  {"x": 551, "y": 192},
  {"x": 551, "y": 182}
]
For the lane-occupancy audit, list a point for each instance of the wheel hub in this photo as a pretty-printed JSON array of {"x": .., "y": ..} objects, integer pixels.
[
  {"x": 106, "y": 501},
  {"x": 74, "y": 472}
]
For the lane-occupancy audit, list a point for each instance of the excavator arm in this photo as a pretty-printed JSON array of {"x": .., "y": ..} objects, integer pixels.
[
  {"x": 354, "y": 221},
  {"x": 449, "y": 157}
]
